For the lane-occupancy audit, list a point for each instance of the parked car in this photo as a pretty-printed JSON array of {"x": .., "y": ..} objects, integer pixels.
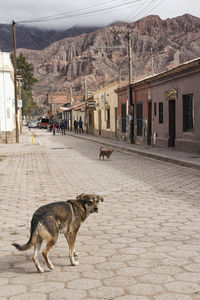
[
  {"x": 32, "y": 124},
  {"x": 44, "y": 122}
]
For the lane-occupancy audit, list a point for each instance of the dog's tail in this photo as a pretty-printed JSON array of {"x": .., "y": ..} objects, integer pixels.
[
  {"x": 29, "y": 244},
  {"x": 26, "y": 246}
]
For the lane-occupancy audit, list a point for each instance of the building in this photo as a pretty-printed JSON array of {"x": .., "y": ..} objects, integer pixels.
[
  {"x": 176, "y": 107},
  {"x": 165, "y": 110},
  {"x": 55, "y": 100},
  {"x": 7, "y": 102},
  {"x": 105, "y": 117}
]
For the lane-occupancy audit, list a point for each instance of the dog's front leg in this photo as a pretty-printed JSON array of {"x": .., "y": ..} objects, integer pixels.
[{"x": 71, "y": 238}]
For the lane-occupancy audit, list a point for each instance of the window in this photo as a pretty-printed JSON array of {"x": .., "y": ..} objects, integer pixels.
[
  {"x": 188, "y": 119},
  {"x": 160, "y": 112},
  {"x": 155, "y": 110},
  {"x": 139, "y": 119},
  {"x": 108, "y": 118},
  {"x": 123, "y": 107}
]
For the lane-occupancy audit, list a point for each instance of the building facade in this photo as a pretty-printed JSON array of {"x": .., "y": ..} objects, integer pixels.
[
  {"x": 7, "y": 103},
  {"x": 176, "y": 107},
  {"x": 105, "y": 118}
]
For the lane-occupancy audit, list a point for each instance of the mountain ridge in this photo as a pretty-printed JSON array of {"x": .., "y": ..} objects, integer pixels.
[{"x": 102, "y": 55}]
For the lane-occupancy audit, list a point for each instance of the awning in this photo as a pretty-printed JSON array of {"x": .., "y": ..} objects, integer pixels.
[
  {"x": 75, "y": 107},
  {"x": 64, "y": 108}
]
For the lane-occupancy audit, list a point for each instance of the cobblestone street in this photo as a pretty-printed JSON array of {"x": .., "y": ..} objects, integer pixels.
[{"x": 144, "y": 244}]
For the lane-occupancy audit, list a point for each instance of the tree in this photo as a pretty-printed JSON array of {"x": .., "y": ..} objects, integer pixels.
[{"x": 25, "y": 71}]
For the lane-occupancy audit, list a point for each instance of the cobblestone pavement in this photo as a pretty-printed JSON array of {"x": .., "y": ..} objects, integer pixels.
[{"x": 143, "y": 244}]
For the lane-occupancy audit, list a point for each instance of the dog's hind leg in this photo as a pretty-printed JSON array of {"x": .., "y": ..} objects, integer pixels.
[
  {"x": 49, "y": 245},
  {"x": 71, "y": 238},
  {"x": 37, "y": 247}
]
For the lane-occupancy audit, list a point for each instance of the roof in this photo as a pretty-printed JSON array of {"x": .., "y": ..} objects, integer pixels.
[
  {"x": 195, "y": 63},
  {"x": 180, "y": 68}
]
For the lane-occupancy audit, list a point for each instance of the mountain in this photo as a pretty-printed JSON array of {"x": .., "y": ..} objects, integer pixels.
[
  {"x": 102, "y": 55},
  {"x": 35, "y": 38}
]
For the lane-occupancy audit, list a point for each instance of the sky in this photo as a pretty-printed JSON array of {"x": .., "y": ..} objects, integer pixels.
[{"x": 63, "y": 14}]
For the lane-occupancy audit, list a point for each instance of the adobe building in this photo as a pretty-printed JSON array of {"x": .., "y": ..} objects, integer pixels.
[
  {"x": 165, "y": 109},
  {"x": 176, "y": 107},
  {"x": 105, "y": 117}
]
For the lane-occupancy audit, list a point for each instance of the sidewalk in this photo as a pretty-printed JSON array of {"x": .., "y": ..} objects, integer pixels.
[{"x": 191, "y": 160}]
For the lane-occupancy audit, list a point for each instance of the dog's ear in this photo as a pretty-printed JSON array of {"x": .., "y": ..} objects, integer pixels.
[
  {"x": 85, "y": 197},
  {"x": 88, "y": 198},
  {"x": 80, "y": 197},
  {"x": 99, "y": 198}
]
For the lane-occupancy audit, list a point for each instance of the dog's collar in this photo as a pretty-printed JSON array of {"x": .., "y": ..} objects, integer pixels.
[{"x": 73, "y": 202}]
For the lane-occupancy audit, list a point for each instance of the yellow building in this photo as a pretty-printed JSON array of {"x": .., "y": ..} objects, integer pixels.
[{"x": 105, "y": 116}]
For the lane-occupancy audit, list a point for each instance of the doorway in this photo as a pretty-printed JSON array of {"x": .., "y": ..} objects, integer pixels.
[{"x": 172, "y": 123}]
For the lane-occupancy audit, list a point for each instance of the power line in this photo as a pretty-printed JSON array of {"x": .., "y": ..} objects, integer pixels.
[
  {"x": 92, "y": 10},
  {"x": 149, "y": 5}
]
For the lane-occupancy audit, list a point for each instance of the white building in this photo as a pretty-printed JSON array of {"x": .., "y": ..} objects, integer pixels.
[{"x": 7, "y": 103}]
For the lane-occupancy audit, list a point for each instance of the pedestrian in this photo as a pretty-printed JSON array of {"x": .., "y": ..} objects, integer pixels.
[
  {"x": 57, "y": 126},
  {"x": 80, "y": 125},
  {"x": 54, "y": 128},
  {"x": 63, "y": 126},
  {"x": 75, "y": 126}
]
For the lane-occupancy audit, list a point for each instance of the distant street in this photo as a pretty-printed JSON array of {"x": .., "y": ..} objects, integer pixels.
[{"x": 143, "y": 244}]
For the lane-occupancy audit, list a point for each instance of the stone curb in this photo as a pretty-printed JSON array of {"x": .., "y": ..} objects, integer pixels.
[{"x": 142, "y": 153}]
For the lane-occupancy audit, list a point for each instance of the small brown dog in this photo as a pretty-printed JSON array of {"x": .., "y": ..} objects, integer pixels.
[{"x": 105, "y": 152}]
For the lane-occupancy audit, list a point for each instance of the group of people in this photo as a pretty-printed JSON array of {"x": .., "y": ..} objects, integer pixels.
[
  {"x": 57, "y": 126},
  {"x": 78, "y": 126}
]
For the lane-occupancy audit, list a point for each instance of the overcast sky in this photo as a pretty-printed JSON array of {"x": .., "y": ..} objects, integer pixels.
[{"x": 68, "y": 13}]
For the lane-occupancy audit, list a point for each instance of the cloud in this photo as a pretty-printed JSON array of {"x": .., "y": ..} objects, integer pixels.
[{"x": 124, "y": 10}]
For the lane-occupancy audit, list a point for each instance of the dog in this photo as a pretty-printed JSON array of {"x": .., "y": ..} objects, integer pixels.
[
  {"x": 63, "y": 217},
  {"x": 105, "y": 152}
]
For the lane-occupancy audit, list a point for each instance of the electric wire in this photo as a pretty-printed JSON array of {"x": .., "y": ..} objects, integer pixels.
[
  {"x": 149, "y": 5},
  {"x": 92, "y": 10}
]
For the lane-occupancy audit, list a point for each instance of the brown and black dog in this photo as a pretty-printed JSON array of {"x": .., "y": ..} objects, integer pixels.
[
  {"x": 105, "y": 152},
  {"x": 60, "y": 217}
]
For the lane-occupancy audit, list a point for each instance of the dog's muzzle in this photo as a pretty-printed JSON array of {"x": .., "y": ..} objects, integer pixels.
[{"x": 95, "y": 210}]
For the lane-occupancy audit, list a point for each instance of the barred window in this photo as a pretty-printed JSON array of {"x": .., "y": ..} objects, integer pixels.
[
  {"x": 123, "y": 109},
  {"x": 188, "y": 115},
  {"x": 155, "y": 110},
  {"x": 160, "y": 112}
]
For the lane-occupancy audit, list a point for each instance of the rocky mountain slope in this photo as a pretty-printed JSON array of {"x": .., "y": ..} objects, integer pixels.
[{"x": 102, "y": 56}]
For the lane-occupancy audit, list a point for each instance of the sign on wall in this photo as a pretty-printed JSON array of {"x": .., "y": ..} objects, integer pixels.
[
  {"x": 171, "y": 94},
  {"x": 19, "y": 103}
]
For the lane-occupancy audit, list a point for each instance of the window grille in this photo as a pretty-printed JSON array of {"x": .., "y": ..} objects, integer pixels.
[{"x": 188, "y": 114}]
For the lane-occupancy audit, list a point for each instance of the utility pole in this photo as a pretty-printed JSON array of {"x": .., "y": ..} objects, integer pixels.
[
  {"x": 15, "y": 80},
  {"x": 130, "y": 104},
  {"x": 130, "y": 59},
  {"x": 129, "y": 111},
  {"x": 152, "y": 62},
  {"x": 86, "y": 110}
]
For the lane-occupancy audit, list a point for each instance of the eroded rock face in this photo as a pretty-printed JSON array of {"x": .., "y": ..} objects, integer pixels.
[{"x": 102, "y": 55}]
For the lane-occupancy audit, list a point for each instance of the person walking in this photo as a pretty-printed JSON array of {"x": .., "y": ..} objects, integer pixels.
[
  {"x": 63, "y": 126},
  {"x": 80, "y": 124},
  {"x": 75, "y": 126},
  {"x": 54, "y": 128}
]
